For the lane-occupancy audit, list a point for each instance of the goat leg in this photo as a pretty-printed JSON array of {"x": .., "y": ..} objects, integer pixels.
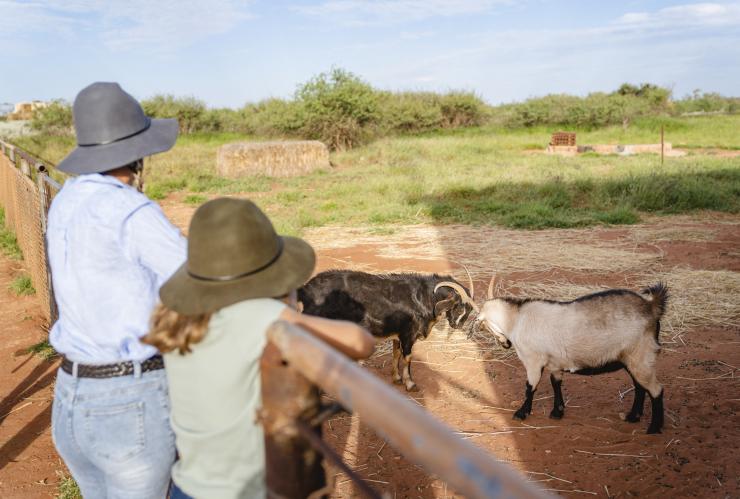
[
  {"x": 526, "y": 407},
  {"x": 637, "y": 405},
  {"x": 534, "y": 373},
  {"x": 656, "y": 422},
  {"x": 407, "y": 380},
  {"x": 396, "y": 360},
  {"x": 559, "y": 405}
]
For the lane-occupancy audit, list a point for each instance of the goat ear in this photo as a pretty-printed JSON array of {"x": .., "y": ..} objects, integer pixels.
[{"x": 443, "y": 306}]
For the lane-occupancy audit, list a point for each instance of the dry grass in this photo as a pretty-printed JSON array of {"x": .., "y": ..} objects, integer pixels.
[
  {"x": 273, "y": 159},
  {"x": 489, "y": 249},
  {"x": 700, "y": 298},
  {"x": 646, "y": 235}
]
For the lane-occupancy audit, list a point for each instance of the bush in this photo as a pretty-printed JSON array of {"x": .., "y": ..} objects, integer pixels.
[
  {"x": 699, "y": 102},
  {"x": 22, "y": 286},
  {"x": 597, "y": 109},
  {"x": 273, "y": 117},
  {"x": 461, "y": 109},
  {"x": 8, "y": 242},
  {"x": 189, "y": 111},
  {"x": 54, "y": 119},
  {"x": 339, "y": 109},
  {"x": 414, "y": 112}
]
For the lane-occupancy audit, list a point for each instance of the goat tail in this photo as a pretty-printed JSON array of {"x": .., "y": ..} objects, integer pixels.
[{"x": 658, "y": 298}]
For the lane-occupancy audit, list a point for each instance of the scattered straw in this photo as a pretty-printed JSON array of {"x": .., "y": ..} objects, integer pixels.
[
  {"x": 486, "y": 249},
  {"x": 611, "y": 455},
  {"x": 700, "y": 298},
  {"x": 647, "y": 235},
  {"x": 548, "y": 475},
  {"x": 576, "y": 491}
]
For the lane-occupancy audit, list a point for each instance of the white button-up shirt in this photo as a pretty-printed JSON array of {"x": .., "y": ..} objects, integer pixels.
[{"x": 110, "y": 249}]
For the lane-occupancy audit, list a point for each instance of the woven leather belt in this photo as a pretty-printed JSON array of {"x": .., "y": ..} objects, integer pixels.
[{"x": 112, "y": 370}]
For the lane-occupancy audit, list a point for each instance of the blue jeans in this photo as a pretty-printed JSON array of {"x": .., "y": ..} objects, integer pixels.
[
  {"x": 114, "y": 434},
  {"x": 177, "y": 493}
]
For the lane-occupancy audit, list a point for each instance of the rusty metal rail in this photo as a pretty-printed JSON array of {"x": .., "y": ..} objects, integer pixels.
[{"x": 409, "y": 428}]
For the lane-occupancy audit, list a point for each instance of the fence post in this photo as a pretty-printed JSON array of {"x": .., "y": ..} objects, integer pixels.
[
  {"x": 293, "y": 468},
  {"x": 44, "y": 200}
]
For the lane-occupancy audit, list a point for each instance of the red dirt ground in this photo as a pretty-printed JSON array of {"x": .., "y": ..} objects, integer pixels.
[{"x": 590, "y": 452}]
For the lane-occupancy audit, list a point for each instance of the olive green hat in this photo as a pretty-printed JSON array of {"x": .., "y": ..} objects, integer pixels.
[{"x": 234, "y": 254}]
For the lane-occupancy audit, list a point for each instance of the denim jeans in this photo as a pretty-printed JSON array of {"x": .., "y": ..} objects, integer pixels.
[
  {"x": 177, "y": 493},
  {"x": 114, "y": 434}
]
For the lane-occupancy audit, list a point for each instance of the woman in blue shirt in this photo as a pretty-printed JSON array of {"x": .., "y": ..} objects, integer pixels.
[{"x": 110, "y": 249}]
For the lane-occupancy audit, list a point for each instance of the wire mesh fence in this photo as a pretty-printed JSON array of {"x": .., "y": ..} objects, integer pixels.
[{"x": 26, "y": 191}]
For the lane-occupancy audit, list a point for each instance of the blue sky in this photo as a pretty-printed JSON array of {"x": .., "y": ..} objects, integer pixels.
[{"x": 228, "y": 52}]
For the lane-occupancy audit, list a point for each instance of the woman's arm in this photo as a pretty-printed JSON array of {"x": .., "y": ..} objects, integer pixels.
[{"x": 347, "y": 337}]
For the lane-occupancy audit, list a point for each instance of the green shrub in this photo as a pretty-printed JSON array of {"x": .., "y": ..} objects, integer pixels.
[
  {"x": 195, "y": 199},
  {"x": 461, "y": 109},
  {"x": 274, "y": 117},
  {"x": 711, "y": 102},
  {"x": 54, "y": 119},
  {"x": 596, "y": 110},
  {"x": 8, "y": 242},
  {"x": 189, "y": 111},
  {"x": 67, "y": 487},
  {"x": 43, "y": 350},
  {"x": 339, "y": 109},
  {"x": 409, "y": 112},
  {"x": 22, "y": 286}
]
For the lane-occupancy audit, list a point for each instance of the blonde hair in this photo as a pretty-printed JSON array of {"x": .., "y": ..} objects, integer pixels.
[{"x": 174, "y": 331}]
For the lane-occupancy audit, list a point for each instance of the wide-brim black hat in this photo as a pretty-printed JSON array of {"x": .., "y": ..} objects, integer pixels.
[
  {"x": 234, "y": 254},
  {"x": 112, "y": 131}
]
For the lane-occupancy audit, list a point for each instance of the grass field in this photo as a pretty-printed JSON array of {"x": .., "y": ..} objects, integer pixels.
[{"x": 481, "y": 175}]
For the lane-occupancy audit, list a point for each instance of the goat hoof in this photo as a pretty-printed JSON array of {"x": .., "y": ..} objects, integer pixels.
[
  {"x": 398, "y": 381},
  {"x": 520, "y": 414},
  {"x": 555, "y": 414},
  {"x": 652, "y": 431},
  {"x": 632, "y": 418},
  {"x": 412, "y": 388}
]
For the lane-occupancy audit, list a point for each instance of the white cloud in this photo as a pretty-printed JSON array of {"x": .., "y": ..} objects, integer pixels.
[
  {"x": 160, "y": 25},
  {"x": 682, "y": 16},
  {"x": 674, "y": 45},
  {"x": 373, "y": 12}
]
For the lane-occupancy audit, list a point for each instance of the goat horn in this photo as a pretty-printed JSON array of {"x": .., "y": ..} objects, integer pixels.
[
  {"x": 490, "y": 287},
  {"x": 460, "y": 290},
  {"x": 470, "y": 280}
]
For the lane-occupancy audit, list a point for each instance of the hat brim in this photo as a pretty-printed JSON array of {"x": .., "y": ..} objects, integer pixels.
[
  {"x": 159, "y": 137},
  {"x": 190, "y": 296}
]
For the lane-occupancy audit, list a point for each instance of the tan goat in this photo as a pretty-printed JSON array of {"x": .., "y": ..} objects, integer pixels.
[{"x": 593, "y": 334}]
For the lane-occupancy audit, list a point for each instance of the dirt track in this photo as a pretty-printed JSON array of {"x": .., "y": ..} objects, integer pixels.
[{"x": 475, "y": 390}]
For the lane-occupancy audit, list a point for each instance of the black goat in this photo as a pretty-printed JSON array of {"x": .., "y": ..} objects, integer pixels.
[{"x": 404, "y": 306}]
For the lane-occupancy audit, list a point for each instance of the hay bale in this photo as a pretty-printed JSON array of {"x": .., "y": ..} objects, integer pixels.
[{"x": 273, "y": 159}]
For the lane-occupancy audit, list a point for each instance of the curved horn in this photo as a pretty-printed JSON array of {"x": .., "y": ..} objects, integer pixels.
[
  {"x": 490, "y": 287},
  {"x": 470, "y": 280},
  {"x": 460, "y": 290}
]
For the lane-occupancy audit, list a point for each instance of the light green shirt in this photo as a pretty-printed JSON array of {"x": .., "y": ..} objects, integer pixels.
[{"x": 215, "y": 393}]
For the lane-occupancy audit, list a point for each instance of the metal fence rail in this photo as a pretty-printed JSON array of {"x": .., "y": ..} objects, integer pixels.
[
  {"x": 409, "y": 428},
  {"x": 26, "y": 191}
]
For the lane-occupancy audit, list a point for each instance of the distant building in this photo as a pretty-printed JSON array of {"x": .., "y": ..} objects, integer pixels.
[{"x": 24, "y": 110}]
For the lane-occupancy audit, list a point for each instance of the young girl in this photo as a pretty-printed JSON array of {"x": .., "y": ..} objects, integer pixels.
[{"x": 240, "y": 276}]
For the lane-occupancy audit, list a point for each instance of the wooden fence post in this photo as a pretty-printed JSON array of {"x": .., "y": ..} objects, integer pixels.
[{"x": 293, "y": 468}]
